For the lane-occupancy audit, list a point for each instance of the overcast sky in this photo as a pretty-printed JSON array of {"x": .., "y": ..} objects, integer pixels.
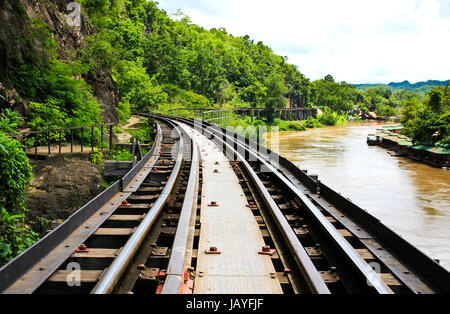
[{"x": 357, "y": 41}]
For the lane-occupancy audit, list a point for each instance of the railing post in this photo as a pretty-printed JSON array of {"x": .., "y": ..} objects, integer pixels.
[
  {"x": 48, "y": 142},
  {"x": 36, "y": 142},
  {"x": 82, "y": 139},
  {"x": 60, "y": 139},
  {"x": 92, "y": 139},
  {"x": 111, "y": 134},
  {"x": 71, "y": 141},
  {"x": 101, "y": 137}
]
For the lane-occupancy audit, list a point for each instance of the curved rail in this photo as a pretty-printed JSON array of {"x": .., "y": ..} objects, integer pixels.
[
  {"x": 313, "y": 279},
  {"x": 115, "y": 271},
  {"x": 42, "y": 264},
  {"x": 177, "y": 262}
]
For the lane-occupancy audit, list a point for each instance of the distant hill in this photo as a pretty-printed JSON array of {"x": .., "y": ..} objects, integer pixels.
[{"x": 420, "y": 87}]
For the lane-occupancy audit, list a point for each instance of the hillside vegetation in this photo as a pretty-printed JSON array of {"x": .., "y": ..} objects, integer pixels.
[{"x": 419, "y": 87}]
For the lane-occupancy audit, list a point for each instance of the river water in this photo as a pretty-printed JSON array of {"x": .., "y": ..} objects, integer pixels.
[{"x": 411, "y": 198}]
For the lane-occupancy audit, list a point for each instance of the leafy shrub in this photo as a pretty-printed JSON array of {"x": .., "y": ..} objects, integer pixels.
[
  {"x": 9, "y": 120},
  {"x": 124, "y": 112},
  {"x": 15, "y": 174},
  {"x": 122, "y": 155},
  {"x": 296, "y": 126},
  {"x": 15, "y": 236},
  {"x": 183, "y": 98},
  {"x": 329, "y": 117},
  {"x": 312, "y": 123},
  {"x": 47, "y": 116},
  {"x": 143, "y": 134},
  {"x": 137, "y": 87},
  {"x": 117, "y": 130},
  {"x": 97, "y": 158}
]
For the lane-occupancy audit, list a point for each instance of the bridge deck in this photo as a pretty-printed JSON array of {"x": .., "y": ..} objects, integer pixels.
[{"x": 233, "y": 229}]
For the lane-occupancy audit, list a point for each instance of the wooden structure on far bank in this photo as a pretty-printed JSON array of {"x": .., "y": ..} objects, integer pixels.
[{"x": 288, "y": 114}]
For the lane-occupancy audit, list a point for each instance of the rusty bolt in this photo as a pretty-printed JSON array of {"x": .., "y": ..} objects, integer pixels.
[
  {"x": 213, "y": 250},
  {"x": 216, "y": 171},
  {"x": 141, "y": 266},
  {"x": 213, "y": 204},
  {"x": 82, "y": 249},
  {"x": 217, "y": 163},
  {"x": 266, "y": 248},
  {"x": 251, "y": 205}
]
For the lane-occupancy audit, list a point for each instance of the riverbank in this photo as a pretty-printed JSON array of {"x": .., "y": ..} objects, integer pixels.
[
  {"x": 389, "y": 138},
  {"x": 249, "y": 127}
]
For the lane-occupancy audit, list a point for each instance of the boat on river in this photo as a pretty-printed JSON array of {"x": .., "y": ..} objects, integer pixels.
[{"x": 372, "y": 140}]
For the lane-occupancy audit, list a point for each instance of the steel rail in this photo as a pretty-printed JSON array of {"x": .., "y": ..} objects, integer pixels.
[
  {"x": 364, "y": 269},
  {"x": 29, "y": 270},
  {"x": 176, "y": 266},
  {"x": 310, "y": 273},
  {"x": 373, "y": 279},
  {"x": 112, "y": 276}
]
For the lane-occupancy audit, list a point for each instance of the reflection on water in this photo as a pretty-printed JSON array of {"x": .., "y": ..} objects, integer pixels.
[{"x": 411, "y": 198}]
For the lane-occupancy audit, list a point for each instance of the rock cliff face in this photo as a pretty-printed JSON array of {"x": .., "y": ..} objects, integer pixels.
[
  {"x": 61, "y": 185},
  {"x": 15, "y": 16}
]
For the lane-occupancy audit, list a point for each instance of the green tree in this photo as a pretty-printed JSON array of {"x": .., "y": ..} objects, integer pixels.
[
  {"x": 275, "y": 95},
  {"x": 430, "y": 122}
]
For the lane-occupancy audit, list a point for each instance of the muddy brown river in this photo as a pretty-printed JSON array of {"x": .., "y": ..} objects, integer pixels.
[{"x": 411, "y": 198}]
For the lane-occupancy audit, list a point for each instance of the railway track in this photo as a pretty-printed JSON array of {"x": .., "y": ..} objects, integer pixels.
[
  {"x": 120, "y": 242},
  {"x": 141, "y": 236},
  {"x": 351, "y": 250}
]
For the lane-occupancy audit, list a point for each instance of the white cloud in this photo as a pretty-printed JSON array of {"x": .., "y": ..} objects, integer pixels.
[{"x": 354, "y": 40}]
